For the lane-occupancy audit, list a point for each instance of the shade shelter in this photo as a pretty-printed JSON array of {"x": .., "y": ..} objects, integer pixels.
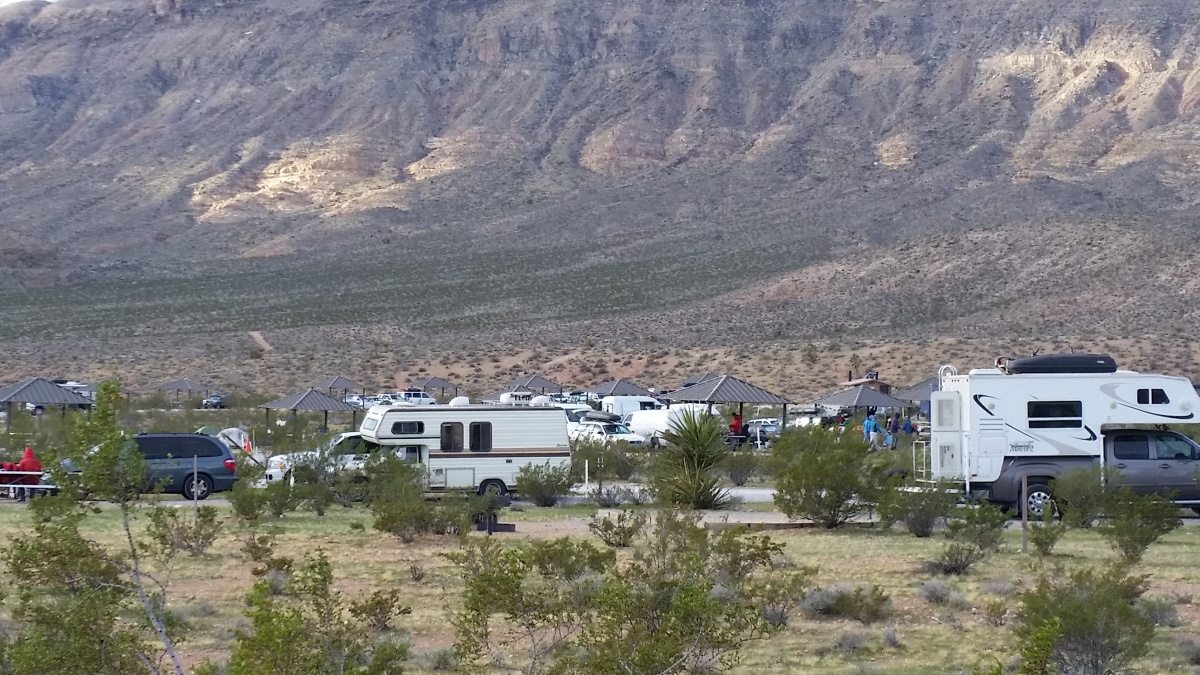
[
  {"x": 535, "y": 382},
  {"x": 309, "y": 399},
  {"x": 183, "y": 385},
  {"x": 620, "y": 387},
  {"x": 339, "y": 382},
  {"x": 435, "y": 383},
  {"x": 697, "y": 379},
  {"x": 38, "y": 391},
  {"x": 728, "y": 389},
  {"x": 920, "y": 393},
  {"x": 861, "y": 396}
]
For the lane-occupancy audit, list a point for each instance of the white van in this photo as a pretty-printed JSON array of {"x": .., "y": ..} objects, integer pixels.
[
  {"x": 623, "y": 405},
  {"x": 476, "y": 447},
  {"x": 652, "y": 424}
]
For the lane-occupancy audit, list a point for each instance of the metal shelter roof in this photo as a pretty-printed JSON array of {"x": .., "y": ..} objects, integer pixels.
[
  {"x": 921, "y": 391},
  {"x": 40, "y": 391},
  {"x": 310, "y": 399},
  {"x": 534, "y": 381},
  {"x": 434, "y": 383},
  {"x": 725, "y": 389},
  {"x": 697, "y": 379},
  {"x": 338, "y": 382},
  {"x": 621, "y": 387},
  {"x": 183, "y": 385},
  {"x": 861, "y": 397}
]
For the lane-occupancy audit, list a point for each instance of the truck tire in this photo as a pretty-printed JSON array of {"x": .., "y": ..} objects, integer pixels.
[{"x": 1039, "y": 496}]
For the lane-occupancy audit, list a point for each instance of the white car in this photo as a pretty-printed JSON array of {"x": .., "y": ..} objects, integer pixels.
[
  {"x": 606, "y": 432},
  {"x": 413, "y": 396},
  {"x": 345, "y": 451}
]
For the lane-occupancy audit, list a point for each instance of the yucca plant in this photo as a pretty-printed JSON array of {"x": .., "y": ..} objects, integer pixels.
[{"x": 688, "y": 473}]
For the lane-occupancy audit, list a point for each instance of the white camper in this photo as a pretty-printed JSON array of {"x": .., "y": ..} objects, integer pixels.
[
  {"x": 652, "y": 424},
  {"x": 623, "y": 405},
  {"x": 990, "y": 423},
  {"x": 475, "y": 447}
]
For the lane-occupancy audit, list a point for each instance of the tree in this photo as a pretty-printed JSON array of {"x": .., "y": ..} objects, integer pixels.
[
  {"x": 688, "y": 472},
  {"x": 84, "y": 608}
]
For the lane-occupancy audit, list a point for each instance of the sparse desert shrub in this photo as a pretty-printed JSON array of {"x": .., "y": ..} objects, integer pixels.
[
  {"x": 1086, "y": 622},
  {"x": 1044, "y": 535},
  {"x": 996, "y": 611},
  {"x": 820, "y": 476},
  {"x": 891, "y": 638},
  {"x": 610, "y": 496},
  {"x": 259, "y": 546},
  {"x": 850, "y": 643},
  {"x": 1161, "y": 611},
  {"x": 1080, "y": 496},
  {"x": 867, "y": 604},
  {"x": 378, "y": 610},
  {"x": 956, "y": 559},
  {"x": 938, "y": 592},
  {"x": 1000, "y": 587},
  {"x": 279, "y": 498},
  {"x": 416, "y": 572},
  {"x": 170, "y": 532},
  {"x": 442, "y": 660},
  {"x": 920, "y": 509},
  {"x": 1133, "y": 522},
  {"x": 980, "y": 525},
  {"x": 621, "y": 532},
  {"x": 1189, "y": 649},
  {"x": 740, "y": 466},
  {"x": 544, "y": 484},
  {"x": 248, "y": 503}
]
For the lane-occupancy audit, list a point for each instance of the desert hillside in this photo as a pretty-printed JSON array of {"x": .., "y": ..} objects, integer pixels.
[{"x": 960, "y": 168}]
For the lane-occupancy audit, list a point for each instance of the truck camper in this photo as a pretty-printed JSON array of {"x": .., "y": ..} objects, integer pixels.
[{"x": 1035, "y": 418}]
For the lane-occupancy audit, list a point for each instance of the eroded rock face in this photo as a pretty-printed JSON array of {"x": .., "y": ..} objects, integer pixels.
[{"x": 124, "y": 131}]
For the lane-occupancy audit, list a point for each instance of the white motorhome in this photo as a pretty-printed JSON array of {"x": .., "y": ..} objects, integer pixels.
[
  {"x": 476, "y": 447},
  {"x": 991, "y": 426}
]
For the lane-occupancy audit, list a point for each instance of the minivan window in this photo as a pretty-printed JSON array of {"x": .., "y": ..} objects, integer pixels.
[
  {"x": 196, "y": 447},
  {"x": 481, "y": 436},
  {"x": 452, "y": 437},
  {"x": 408, "y": 428},
  {"x": 154, "y": 448}
]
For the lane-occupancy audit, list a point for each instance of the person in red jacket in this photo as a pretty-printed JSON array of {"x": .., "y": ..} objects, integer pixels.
[{"x": 30, "y": 463}]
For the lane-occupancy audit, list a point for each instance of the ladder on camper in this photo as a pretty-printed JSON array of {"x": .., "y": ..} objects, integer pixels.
[{"x": 920, "y": 459}]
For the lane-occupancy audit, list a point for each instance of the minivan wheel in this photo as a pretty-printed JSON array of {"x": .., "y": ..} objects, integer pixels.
[
  {"x": 203, "y": 487},
  {"x": 493, "y": 487}
]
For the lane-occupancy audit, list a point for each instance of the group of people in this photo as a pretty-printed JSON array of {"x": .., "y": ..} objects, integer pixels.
[
  {"x": 30, "y": 465},
  {"x": 886, "y": 434}
]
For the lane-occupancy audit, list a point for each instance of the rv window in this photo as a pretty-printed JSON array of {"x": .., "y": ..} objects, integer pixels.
[
  {"x": 408, "y": 428},
  {"x": 369, "y": 424},
  {"x": 1131, "y": 446},
  {"x": 481, "y": 436},
  {"x": 412, "y": 454},
  {"x": 1152, "y": 397},
  {"x": 1055, "y": 414},
  {"x": 452, "y": 437}
]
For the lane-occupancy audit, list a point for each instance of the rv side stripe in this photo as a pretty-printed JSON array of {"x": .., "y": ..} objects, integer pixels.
[{"x": 468, "y": 453}]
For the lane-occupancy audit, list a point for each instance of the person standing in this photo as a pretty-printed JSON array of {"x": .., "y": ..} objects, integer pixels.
[
  {"x": 29, "y": 462},
  {"x": 875, "y": 435},
  {"x": 894, "y": 430}
]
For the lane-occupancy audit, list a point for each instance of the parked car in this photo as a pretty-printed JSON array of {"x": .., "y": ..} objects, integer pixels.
[
  {"x": 414, "y": 396},
  {"x": 189, "y": 464},
  {"x": 606, "y": 432},
  {"x": 214, "y": 401},
  {"x": 344, "y": 451}
]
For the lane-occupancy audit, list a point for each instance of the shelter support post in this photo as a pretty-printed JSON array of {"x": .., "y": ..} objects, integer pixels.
[
  {"x": 783, "y": 420},
  {"x": 325, "y": 426}
]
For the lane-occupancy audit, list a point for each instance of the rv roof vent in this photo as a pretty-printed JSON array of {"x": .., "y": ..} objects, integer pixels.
[
  {"x": 540, "y": 401},
  {"x": 460, "y": 401},
  {"x": 1059, "y": 363}
]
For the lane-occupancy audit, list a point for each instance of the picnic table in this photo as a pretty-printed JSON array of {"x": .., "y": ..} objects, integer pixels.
[{"x": 11, "y": 481}]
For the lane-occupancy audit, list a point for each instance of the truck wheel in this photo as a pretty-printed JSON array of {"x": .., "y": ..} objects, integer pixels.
[
  {"x": 493, "y": 487},
  {"x": 1039, "y": 498}
]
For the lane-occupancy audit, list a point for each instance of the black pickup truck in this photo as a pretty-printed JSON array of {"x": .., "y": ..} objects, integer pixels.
[{"x": 1147, "y": 461}]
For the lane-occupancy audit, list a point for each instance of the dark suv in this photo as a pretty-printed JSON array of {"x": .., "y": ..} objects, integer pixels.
[{"x": 169, "y": 462}]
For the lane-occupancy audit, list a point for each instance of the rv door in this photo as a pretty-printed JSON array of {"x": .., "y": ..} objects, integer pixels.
[{"x": 946, "y": 436}]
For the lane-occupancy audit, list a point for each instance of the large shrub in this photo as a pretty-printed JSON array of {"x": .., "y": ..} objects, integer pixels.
[
  {"x": 544, "y": 484},
  {"x": 1080, "y": 495},
  {"x": 1133, "y": 522},
  {"x": 687, "y": 473},
  {"x": 821, "y": 476},
  {"x": 920, "y": 508}
]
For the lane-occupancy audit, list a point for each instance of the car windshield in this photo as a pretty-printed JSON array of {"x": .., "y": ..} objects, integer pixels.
[{"x": 616, "y": 429}]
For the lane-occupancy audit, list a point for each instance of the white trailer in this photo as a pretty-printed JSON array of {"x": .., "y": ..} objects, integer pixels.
[
  {"x": 989, "y": 425},
  {"x": 623, "y": 405},
  {"x": 475, "y": 447}
]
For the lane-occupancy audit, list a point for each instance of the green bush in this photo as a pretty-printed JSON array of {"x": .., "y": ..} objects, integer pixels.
[
  {"x": 686, "y": 473},
  {"x": 279, "y": 498},
  {"x": 980, "y": 525},
  {"x": 170, "y": 531},
  {"x": 1133, "y": 522},
  {"x": 248, "y": 503},
  {"x": 1044, "y": 535},
  {"x": 956, "y": 559},
  {"x": 867, "y": 604},
  {"x": 820, "y": 476},
  {"x": 621, "y": 532},
  {"x": 1080, "y": 496},
  {"x": 544, "y": 484},
  {"x": 740, "y": 466},
  {"x": 1086, "y": 622},
  {"x": 921, "y": 509}
]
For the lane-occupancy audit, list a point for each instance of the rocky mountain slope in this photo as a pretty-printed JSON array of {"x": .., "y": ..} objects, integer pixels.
[{"x": 779, "y": 144}]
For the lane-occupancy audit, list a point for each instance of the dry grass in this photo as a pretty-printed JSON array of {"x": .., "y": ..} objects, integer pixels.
[{"x": 209, "y": 590}]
